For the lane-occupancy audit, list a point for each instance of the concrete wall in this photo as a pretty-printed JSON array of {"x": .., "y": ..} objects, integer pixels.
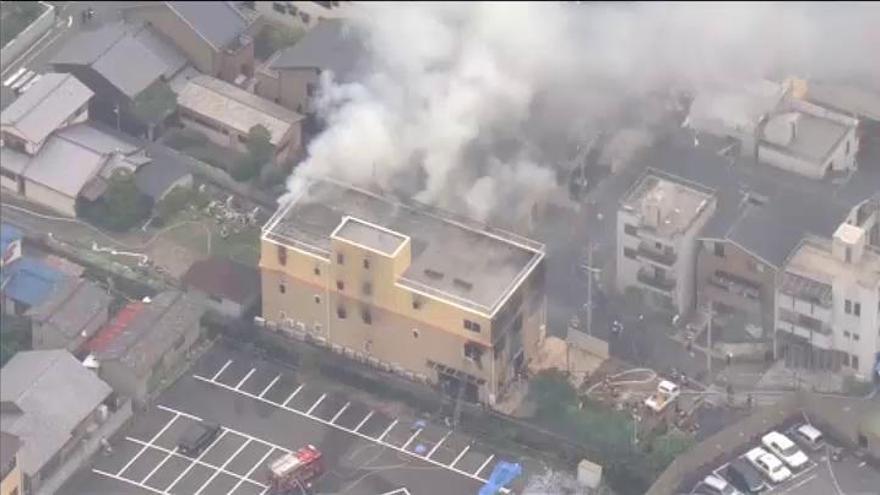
[
  {"x": 398, "y": 333},
  {"x": 687, "y": 247},
  {"x": 59, "y": 202},
  {"x": 232, "y": 139},
  {"x": 225, "y": 307},
  {"x": 26, "y": 39},
  {"x": 288, "y": 87}
]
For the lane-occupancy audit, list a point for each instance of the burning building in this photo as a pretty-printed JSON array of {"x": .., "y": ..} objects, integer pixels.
[{"x": 405, "y": 288}]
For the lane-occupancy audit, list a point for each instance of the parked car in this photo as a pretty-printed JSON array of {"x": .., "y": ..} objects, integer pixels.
[
  {"x": 196, "y": 437},
  {"x": 768, "y": 464},
  {"x": 809, "y": 436},
  {"x": 782, "y": 447},
  {"x": 713, "y": 485},
  {"x": 667, "y": 392},
  {"x": 745, "y": 477}
]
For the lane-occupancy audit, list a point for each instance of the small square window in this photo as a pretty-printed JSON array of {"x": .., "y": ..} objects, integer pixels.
[
  {"x": 471, "y": 325},
  {"x": 340, "y": 285},
  {"x": 845, "y": 359},
  {"x": 282, "y": 255},
  {"x": 846, "y": 334},
  {"x": 340, "y": 312},
  {"x": 855, "y": 362},
  {"x": 415, "y": 333},
  {"x": 368, "y": 289},
  {"x": 719, "y": 249},
  {"x": 658, "y": 245},
  {"x": 416, "y": 303},
  {"x": 847, "y": 306},
  {"x": 856, "y": 337},
  {"x": 281, "y": 288},
  {"x": 467, "y": 324},
  {"x": 317, "y": 299},
  {"x": 366, "y": 316},
  {"x": 317, "y": 271},
  {"x": 630, "y": 229},
  {"x": 340, "y": 258},
  {"x": 857, "y": 309},
  {"x": 366, "y": 264}
]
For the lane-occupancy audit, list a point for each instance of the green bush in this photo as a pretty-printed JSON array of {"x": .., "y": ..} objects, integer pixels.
[
  {"x": 121, "y": 207},
  {"x": 272, "y": 38},
  {"x": 15, "y": 336},
  {"x": 181, "y": 139}
]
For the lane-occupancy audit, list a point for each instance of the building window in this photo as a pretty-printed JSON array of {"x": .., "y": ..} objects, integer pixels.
[
  {"x": 472, "y": 326},
  {"x": 366, "y": 316},
  {"x": 310, "y": 89},
  {"x": 340, "y": 258},
  {"x": 317, "y": 271},
  {"x": 282, "y": 288},
  {"x": 415, "y": 333},
  {"x": 282, "y": 255},
  {"x": 847, "y": 306},
  {"x": 856, "y": 337},
  {"x": 855, "y": 362},
  {"x": 340, "y": 285},
  {"x": 857, "y": 309},
  {"x": 473, "y": 352},
  {"x": 719, "y": 249},
  {"x": 317, "y": 299},
  {"x": 845, "y": 359},
  {"x": 846, "y": 334},
  {"x": 629, "y": 253},
  {"x": 658, "y": 245},
  {"x": 629, "y": 229},
  {"x": 847, "y": 148},
  {"x": 366, "y": 264},
  {"x": 416, "y": 302},
  {"x": 368, "y": 289},
  {"x": 340, "y": 312}
]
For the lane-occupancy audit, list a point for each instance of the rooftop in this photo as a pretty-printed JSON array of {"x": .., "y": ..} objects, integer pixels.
[
  {"x": 224, "y": 278},
  {"x": 46, "y": 394},
  {"x": 328, "y": 46},
  {"x": 141, "y": 333},
  {"x": 75, "y": 307},
  {"x": 369, "y": 236},
  {"x": 814, "y": 260},
  {"x": 667, "y": 206},
  {"x": 40, "y": 110},
  {"x": 805, "y": 136},
  {"x": 235, "y": 107},
  {"x": 30, "y": 281},
  {"x": 218, "y": 23},
  {"x": 845, "y": 98},
  {"x": 453, "y": 259},
  {"x": 737, "y": 109}
]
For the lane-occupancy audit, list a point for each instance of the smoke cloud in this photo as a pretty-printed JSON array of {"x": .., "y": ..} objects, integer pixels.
[{"x": 476, "y": 107}]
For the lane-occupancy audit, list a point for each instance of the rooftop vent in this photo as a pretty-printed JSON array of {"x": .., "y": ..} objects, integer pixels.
[
  {"x": 433, "y": 274},
  {"x": 463, "y": 284}
]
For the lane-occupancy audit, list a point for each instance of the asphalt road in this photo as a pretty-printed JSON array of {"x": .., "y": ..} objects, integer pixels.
[{"x": 266, "y": 410}]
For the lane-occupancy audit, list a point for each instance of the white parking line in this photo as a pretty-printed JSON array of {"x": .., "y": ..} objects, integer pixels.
[
  {"x": 439, "y": 444},
  {"x": 221, "y": 370},
  {"x": 801, "y": 483},
  {"x": 197, "y": 460},
  {"x": 223, "y": 467},
  {"x": 336, "y": 416},
  {"x": 251, "y": 372},
  {"x": 273, "y": 382},
  {"x": 155, "y": 437},
  {"x": 484, "y": 465},
  {"x": 382, "y": 436},
  {"x": 158, "y": 466},
  {"x": 413, "y": 437},
  {"x": 230, "y": 430},
  {"x": 126, "y": 480},
  {"x": 292, "y": 395},
  {"x": 316, "y": 404},
  {"x": 364, "y": 421},
  {"x": 254, "y": 468},
  {"x": 460, "y": 455},
  {"x": 350, "y": 431}
]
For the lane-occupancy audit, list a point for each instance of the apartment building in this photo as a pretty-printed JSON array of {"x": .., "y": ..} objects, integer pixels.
[
  {"x": 828, "y": 304},
  {"x": 657, "y": 227},
  {"x": 405, "y": 287}
]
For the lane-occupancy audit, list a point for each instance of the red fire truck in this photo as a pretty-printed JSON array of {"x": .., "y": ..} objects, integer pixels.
[{"x": 293, "y": 472}]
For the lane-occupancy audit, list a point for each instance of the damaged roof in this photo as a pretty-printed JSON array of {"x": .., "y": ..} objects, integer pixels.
[{"x": 224, "y": 278}]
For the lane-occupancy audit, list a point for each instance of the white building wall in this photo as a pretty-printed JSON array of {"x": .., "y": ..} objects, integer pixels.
[{"x": 51, "y": 198}]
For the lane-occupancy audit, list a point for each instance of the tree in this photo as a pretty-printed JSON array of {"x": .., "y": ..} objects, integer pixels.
[
  {"x": 273, "y": 38},
  {"x": 154, "y": 104},
  {"x": 260, "y": 151},
  {"x": 178, "y": 199},
  {"x": 121, "y": 207},
  {"x": 552, "y": 393}
]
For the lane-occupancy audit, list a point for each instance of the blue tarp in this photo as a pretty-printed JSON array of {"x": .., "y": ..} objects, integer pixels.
[
  {"x": 8, "y": 234},
  {"x": 504, "y": 473},
  {"x": 29, "y": 281}
]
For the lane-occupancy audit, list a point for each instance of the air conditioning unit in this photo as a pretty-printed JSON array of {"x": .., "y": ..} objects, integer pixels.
[
  {"x": 259, "y": 321},
  {"x": 300, "y": 326}
]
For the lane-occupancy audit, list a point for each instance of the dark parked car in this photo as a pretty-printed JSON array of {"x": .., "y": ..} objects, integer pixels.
[
  {"x": 744, "y": 477},
  {"x": 198, "y": 436}
]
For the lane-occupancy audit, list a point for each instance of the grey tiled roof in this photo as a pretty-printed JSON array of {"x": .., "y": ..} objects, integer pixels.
[
  {"x": 41, "y": 109},
  {"x": 327, "y": 46},
  {"x": 74, "y": 307},
  {"x": 53, "y": 393},
  {"x": 220, "y": 23}
]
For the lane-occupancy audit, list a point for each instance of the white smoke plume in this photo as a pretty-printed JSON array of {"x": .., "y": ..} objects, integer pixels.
[{"x": 472, "y": 106}]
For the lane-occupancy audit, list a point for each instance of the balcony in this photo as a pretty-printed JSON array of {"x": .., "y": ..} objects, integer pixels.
[
  {"x": 661, "y": 284},
  {"x": 666, "y": 257},
  {"x": 736, "y": 285},
  {"x": 815, "y": 339}
]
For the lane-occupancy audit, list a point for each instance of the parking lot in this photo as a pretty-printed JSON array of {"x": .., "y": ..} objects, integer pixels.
[
  {"x": 823, "y": 476},
  {"x": 265, "y": 411}
]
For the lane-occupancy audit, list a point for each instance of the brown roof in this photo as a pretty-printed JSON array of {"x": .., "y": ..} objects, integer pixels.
[{"x": 223, "y": 278}]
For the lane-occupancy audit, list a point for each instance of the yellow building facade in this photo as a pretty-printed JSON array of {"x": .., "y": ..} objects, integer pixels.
[
  {"x": 405, "y": 288},
  {"x": 12, "y": 481}
]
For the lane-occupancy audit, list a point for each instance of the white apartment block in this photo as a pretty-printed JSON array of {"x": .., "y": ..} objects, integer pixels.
[
  {"x": 657, "y": 227},
  {"x": 828, "y": 304}
]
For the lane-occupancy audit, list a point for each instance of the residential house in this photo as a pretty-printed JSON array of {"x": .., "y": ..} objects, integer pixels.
[
  {"x": 26, "y": 283},
  {"x": 161, "y": 176},
  {"x": 118, "y": 62},
  {"x": 225, "y": 114},
  {"x": 658, "y": 223},
  {"x": 74, "y": 310},
  {"x": 11, "y": 482},
  {"x": 233, "y": 289},
  {"x": 855, "y": 101},
  {"x": 51, "y": 402},
  {"x": 828, "y": 304},
  {"x": 145, "y": 340},
  {"x": 215, "y": 36},
  {"x": 405, "y": 288},
  {"x": 292, "y": 76}
]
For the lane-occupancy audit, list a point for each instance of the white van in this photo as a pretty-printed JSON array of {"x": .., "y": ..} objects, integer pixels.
[{"x": 809, "y": 436}]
